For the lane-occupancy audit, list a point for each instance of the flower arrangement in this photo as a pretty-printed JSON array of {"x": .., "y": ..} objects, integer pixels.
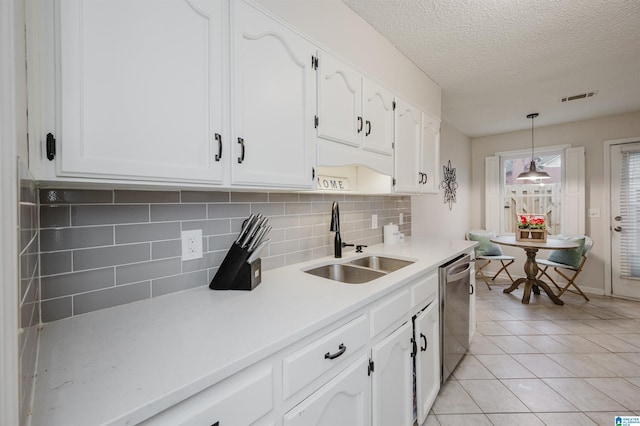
[{"x": 531, "y": 222}]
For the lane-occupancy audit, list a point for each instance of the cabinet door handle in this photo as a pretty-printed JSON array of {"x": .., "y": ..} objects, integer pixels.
[
  {"x": 359, "y": 124},
  {"x": 414, "y": 351},
  {"x": 241, "y": 158},
  {"x": 368, "y": 132},
  {"x": 341, "y": 349},
  {"x": 424, "y": 338},
  {"x": 219, "y": 154}
]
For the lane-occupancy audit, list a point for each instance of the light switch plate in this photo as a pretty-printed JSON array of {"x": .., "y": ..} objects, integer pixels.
[
  {"x": 401, "y": 219},
  {"x": 374, "y": 221},
  {"x": 192, "y": 244}
]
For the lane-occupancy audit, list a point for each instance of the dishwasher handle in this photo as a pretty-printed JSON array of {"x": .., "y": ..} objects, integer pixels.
[{"x": 455, "y": 274}]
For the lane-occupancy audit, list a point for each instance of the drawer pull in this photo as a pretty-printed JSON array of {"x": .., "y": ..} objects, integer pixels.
[{"x": 342, "y": 348}]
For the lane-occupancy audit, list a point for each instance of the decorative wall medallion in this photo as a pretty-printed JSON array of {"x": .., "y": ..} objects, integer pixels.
[{"x": 449, "y": 184}]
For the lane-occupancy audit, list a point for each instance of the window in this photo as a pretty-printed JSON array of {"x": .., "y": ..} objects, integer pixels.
[
  {"x": 560, "y": 198},
  {"x": 531, "y": 197}
]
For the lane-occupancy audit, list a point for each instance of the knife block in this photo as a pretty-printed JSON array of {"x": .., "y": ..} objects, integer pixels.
[{"x": 235, "y": 273}]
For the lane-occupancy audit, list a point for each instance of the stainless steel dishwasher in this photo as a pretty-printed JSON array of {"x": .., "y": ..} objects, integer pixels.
[{"x": 455, "y": 287}]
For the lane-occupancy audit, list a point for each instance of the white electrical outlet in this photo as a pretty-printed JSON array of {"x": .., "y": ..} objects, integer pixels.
[
  {"x": 374, "y": 221},
  {"x": 192, "y": 244},
  {"x": 401, "y": 219}
]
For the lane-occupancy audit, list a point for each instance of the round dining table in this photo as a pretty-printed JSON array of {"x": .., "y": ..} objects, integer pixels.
[{"x": 531, "y": 282}]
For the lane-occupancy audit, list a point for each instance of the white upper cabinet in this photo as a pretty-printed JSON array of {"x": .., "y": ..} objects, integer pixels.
[
  {"x": 430, "y": 157},
  {"x": 408, "y": 128},
  {"x": 377, "y": 105},
  {"x": 417, "y": 150},
  {"x": 339, "y": 101},
  {"x": 273, "y": 102},
  {"x": 140, "y": 89},
  {"x": 355, "y": 115}
]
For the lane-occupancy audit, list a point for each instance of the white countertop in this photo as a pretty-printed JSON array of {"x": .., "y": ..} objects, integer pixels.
[{"x": 124, "y": 364}]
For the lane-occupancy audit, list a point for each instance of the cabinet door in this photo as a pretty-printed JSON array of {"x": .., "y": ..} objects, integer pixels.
[
  {"x": 339, "y": 102},
  {"x": 344, "y": 401},
  {"x": 427, "y": 338},
  {"x": 377, "y": 106},
  {"x": 393, "y": 379},
  {"x": 273, "y": 98},
  {"x": 140, "y": 89},
  {"x": 407, "y": 151},
  {"x": 430, "y": 157}
]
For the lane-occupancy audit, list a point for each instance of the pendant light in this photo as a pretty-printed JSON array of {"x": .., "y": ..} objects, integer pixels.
[{"x": 532, "y": 173}]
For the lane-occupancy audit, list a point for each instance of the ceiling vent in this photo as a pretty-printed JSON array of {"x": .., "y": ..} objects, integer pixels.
[{"x": 580, "y": 96}]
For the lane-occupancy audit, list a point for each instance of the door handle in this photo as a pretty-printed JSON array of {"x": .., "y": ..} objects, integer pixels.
[
  {"x": 424, "y": 338},
  {"x": 617, "y": 229},
  {"x": 368, "y": 132},
  {"x": 241, "y": 158},
  {"x": 219, "y": 140},
  {"x": 359, "y": 124},
  {"x": 618, "y": 218},
  {"x": 341, "y": 349}
]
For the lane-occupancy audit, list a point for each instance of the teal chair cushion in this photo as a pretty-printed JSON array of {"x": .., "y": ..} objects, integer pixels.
[
  {"x": 571, "y": 257},
  {"x": 484, "y": 247}
]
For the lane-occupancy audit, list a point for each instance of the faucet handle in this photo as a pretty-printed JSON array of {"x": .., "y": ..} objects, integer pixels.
[
  {"x": 347, "y": 245},
  {"x": 359, "y": 248}
]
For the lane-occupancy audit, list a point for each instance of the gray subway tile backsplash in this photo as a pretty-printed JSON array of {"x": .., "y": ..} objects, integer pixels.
[
  {"x": 76, "y": 282},
  {"x": 110, "y": 256},
  {"x": 126, "y": 234},
  {"x": 57, "y": 239},
  {"x": 108, "y": 214},
  {"x": 114, "y": 296},
  {"x": 104, "y": 248},
  {"x": 136, "y": 272}
]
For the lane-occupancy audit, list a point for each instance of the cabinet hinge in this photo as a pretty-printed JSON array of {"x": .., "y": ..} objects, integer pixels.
[
  {"x": 314, "y": 62},
  {"x": 393, "y": 145},
  {"x": 51, "y": 146},
  {"x": 315, "y": 121},
  {"x": 394, "y": 105},
  {"x": 313, "y": 173},
  {"x": 394, "y": 181},
  {"x": 370, "y": 367}
]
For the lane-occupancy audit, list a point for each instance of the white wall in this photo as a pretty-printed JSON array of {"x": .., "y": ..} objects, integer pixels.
[
  {"x": 589, "y": 133},
  {"x": 336, "y": 27},
  {"x": 430, "y": 216}
]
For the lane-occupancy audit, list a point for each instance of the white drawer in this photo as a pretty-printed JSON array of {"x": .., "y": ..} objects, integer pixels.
[
  {"x": 303, "y": 366},
  {"x": 392, "y": 309},
  {"x": 241, "y": 399},
  {"x": 424, "y": 291}
]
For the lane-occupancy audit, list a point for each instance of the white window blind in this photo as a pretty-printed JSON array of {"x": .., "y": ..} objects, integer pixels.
[{"x": 630, "y": 213}]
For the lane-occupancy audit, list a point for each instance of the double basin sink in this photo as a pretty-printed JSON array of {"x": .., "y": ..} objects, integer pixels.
[{"x": 360, "y": 270}]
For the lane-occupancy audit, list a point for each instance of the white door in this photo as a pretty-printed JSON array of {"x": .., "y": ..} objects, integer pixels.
[
  {"x": 377, "y": 109},
  {"x": 273, "y": 96},
  {"x": 430, "y": 154},
  {"x": 625, "y": 220},
  {"x": 392, "y": 385},
  {"x": 339, "y": 101},
  {"x": 407, "y": 151},
  {"x": 140, "y": 89},
  {"x": 344, "y": 401},
  {"x": 427, "y": 337}
]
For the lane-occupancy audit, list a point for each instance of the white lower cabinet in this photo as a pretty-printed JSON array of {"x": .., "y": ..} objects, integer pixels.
[
  {"x": 392, "y": 379},
  {"x": 344, "y": 400},
  {"x": 242, "y": 399},
  {"x": 427, "y": 359}
]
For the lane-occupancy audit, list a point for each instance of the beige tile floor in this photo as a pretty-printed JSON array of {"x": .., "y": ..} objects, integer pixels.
[{"x": 544, "y": 364}]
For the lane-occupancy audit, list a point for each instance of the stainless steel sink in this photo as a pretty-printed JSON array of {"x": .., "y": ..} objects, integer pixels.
[
  {"x": 379, "y": 263},
  {"x": 345, "y": 273}
]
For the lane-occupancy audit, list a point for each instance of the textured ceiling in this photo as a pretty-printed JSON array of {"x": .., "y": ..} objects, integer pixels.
[{"x": 499, "y": 60}]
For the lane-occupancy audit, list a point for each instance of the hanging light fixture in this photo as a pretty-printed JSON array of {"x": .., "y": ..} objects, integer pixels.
[{"x": 532, "y": 173}]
